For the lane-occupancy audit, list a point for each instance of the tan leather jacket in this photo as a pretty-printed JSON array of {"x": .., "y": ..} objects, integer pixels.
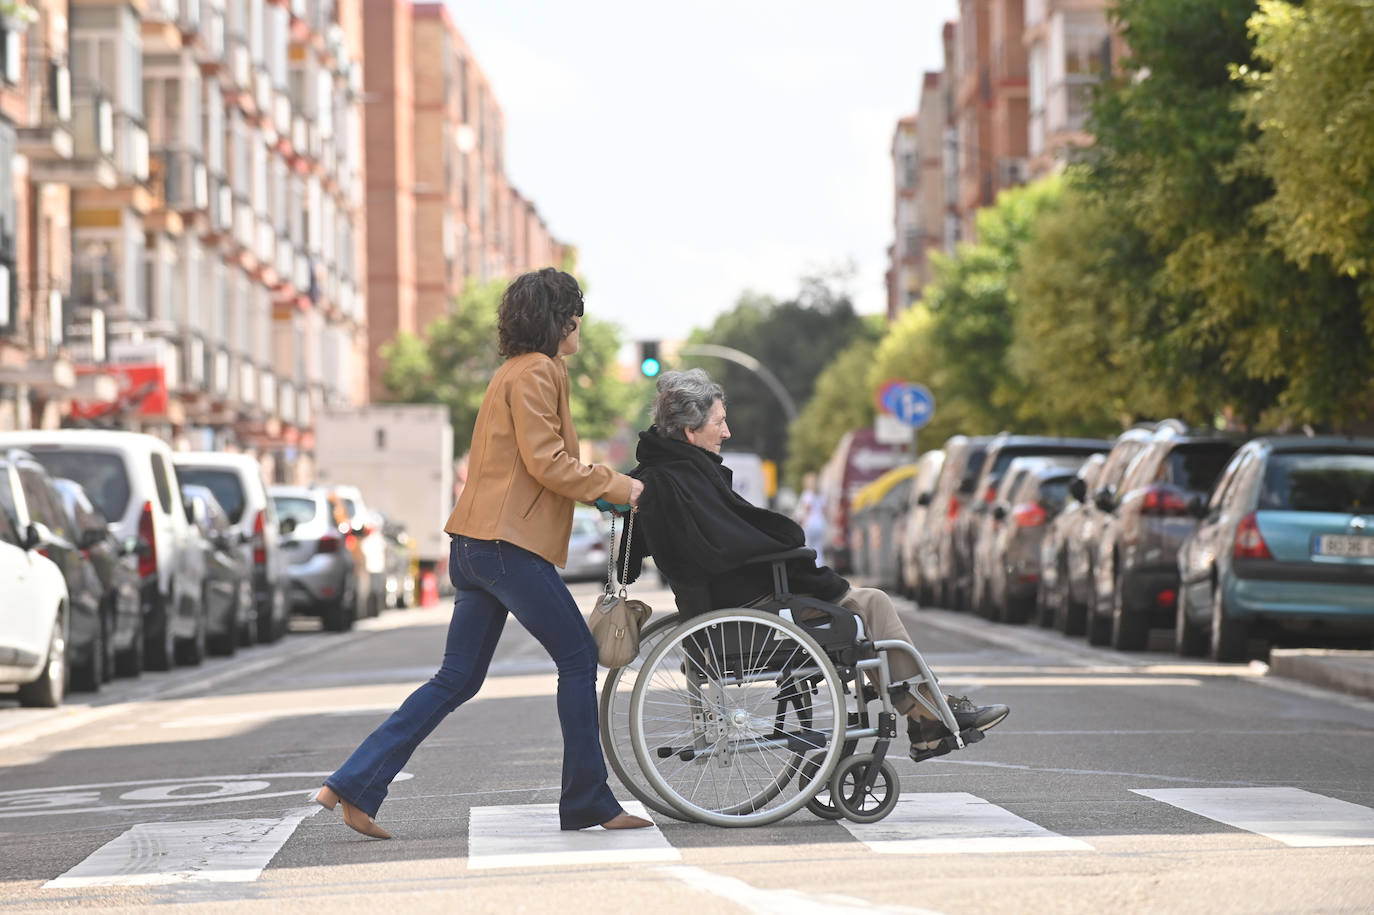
[{"x": 523, "y": 471}]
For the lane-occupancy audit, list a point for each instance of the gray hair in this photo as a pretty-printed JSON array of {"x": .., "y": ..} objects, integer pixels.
[{"x": 684, "y": 401}]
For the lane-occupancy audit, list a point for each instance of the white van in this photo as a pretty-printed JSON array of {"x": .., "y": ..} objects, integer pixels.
[
  {"x": 130, "y": 478},
  {"x": 749, "y": 479}
]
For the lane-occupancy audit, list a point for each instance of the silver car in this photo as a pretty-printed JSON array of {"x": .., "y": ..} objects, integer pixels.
[
  {"x": 320, "y": 573},
  {"x": 586, "y": 546}
]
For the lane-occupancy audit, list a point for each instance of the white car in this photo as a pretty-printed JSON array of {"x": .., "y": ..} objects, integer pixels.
[
  {"x": 33, "y": 619},
  {"x": 239, "y": 487},
  {"x": 130, "y": 478}
]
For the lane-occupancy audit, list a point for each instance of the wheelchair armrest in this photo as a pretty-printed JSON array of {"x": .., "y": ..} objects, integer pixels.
[{"x": 800, "y": 552}]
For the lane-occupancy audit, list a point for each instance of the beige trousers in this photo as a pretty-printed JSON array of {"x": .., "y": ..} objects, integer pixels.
[{"x": 875, "y": 608}]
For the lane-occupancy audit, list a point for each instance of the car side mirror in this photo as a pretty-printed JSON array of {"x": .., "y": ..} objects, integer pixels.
[
  {"x": 245, "y": 537},
  {"x": 999, "y": 513},
  {"x": 1197, "y": 507},
  {"x": 1078, "y": 489},
  {"x": 287, "y": 526},
  {"x": 91, "y": 536},
  {"x": 923, "y": 499},
  {"x": 1104, "y": 499}
]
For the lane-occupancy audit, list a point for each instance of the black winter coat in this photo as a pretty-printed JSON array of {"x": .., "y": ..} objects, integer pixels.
[{"x": 700, "y": 531}]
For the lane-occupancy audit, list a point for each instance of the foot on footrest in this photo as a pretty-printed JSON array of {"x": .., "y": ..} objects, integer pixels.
[{"x": 944, "y": 745}]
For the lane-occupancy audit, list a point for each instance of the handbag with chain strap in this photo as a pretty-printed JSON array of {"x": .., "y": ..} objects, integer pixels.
[{"x": 616, "y": 619}]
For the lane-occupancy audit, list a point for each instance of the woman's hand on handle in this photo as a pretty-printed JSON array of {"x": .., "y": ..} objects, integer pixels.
[{"x": 636, "y": 489}]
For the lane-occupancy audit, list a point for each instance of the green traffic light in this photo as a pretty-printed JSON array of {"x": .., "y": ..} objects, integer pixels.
[{"x": 649, "y": 367}]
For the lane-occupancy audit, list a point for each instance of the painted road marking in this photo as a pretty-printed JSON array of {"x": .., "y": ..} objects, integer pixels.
[
  {"x": 527, "y": 835},
  {"x": 782, "y": 902},
  {"x": 208, "y": 851},
  {"x": 194, "y": 791},
  {"x": 1295, "y": 817},
  {"x": 956, "y": 823}
]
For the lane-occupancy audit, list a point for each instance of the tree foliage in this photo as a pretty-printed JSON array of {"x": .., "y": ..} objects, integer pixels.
[
  {"x": 842, "y": 400},
  {"x": 1313, "y": 106},
  {"x": 794, "y": 339},
  {"x": 454, "y": 360}
]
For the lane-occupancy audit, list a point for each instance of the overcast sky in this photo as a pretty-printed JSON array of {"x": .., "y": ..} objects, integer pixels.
[{"x": 695, "y": 150}]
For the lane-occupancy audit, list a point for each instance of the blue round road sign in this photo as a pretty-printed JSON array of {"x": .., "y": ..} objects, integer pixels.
[{"x": 912, "y": 404}]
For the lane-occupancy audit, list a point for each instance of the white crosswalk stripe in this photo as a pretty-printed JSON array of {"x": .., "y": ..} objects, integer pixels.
[
  {"x": 956, "y": 823},
  {"x": 527, "y": 835},
  {"x": 211, "y": 851},
  {"x": 1292, "y": 816}
]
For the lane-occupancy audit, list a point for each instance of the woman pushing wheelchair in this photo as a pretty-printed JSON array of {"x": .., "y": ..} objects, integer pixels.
[{"x": 701, "y": 535}]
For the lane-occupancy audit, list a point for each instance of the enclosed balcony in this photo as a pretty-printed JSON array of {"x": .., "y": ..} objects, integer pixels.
[{"x": 47, "y": 135}]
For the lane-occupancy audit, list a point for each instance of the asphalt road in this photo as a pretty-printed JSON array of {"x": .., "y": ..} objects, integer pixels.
[{"x": 1126, "y": 783}]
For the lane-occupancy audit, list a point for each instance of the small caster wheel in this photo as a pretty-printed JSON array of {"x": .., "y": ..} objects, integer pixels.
[{"x": 856, "y": 803}]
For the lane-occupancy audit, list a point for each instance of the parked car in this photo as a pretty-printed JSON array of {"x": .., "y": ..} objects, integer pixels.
[
  {"x": 586, "y": 546},
  {"x": 876, "y": 508},
  {"x": 37, "y": 503},
  {"x": 915, "y": 583},
  {"x": 116, "y": 565},
  {"x": 1136, "y": 584},
  {"x": 228, "y": 582},
  {"x": 130, "y": 478},
  {"x": 402, "y": 564},
  {"x": 953, "y": 492},
  {"x": 1054, "y": 562},
  {"x": 1080, "y": 542},
  {"x": 33, "y": 620},
  {"x": 1001, "y": 451},
  {"x": 1007, "y": 556},
  {"x": 321, "y": 574},
  {"x": 363, "y": 538},
  {"x": 1285, "y": 543},
  {"x": 237, "y": 483}
]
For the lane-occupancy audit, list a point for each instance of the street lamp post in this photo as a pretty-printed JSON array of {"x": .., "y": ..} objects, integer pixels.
[{"x": 749, "y": 362}]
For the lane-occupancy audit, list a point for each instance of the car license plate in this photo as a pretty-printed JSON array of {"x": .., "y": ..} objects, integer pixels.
[{"x": 1344, "y": 545}]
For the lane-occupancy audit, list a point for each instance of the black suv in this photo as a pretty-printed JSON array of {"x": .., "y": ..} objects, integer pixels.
[
  {"x": 982, "y": 489},
  {"x": 1135, "y": 587}
]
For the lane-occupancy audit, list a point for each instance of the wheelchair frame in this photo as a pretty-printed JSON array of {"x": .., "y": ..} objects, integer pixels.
[{"x": 720, "y": 738}]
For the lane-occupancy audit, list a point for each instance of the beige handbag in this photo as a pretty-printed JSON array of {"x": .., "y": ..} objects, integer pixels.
[{"x": 616, "y": 620}]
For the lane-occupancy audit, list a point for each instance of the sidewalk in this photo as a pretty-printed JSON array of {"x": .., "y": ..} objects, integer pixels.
[{"x": 1350, "y": 672}]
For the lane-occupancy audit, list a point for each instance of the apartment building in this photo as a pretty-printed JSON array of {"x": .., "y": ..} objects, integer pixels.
[
  {"x": 919, "y": 204},
  {"x": 36, "y": 173},
  {"x": 991, "y": 104},
  {"x": 1069, "y": 47},
  {"x": 442, "y": 210},
  {"x": 185, "y": 219}
]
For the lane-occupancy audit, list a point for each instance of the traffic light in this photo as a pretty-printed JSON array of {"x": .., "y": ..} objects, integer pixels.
[{"x": 649, "y": 364}]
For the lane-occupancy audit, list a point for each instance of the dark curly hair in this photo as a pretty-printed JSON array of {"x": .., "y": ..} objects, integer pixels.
[{"x": 537, "y": 311}]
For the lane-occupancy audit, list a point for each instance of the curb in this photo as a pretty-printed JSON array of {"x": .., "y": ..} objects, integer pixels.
[{"x": 1349, "y": 672}]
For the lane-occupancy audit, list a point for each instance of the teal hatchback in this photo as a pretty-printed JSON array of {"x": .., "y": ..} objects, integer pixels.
[{"x": 1285, "y": 541}]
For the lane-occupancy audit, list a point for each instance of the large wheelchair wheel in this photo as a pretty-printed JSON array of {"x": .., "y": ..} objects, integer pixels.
[
  {"x": 616, "y": 691},
  {"x": 728, "y": 709}
]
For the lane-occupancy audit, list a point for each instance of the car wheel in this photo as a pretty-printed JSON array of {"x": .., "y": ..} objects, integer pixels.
[
  {"x": 339, "y": 615},
  {"x": 129, "y": 662},
  {"x": 249, "y": 624},
  {"x": 1099, "y": 625},
  {"x": 1229, "y": 635},
  {"x": 161, "y": 642},
  {"x": 47, "y": 691},
  {"x": 88, "y": 677},
  {"x": 279, "y": 616},
  {"x": 1130, "y": 631},
  {"x": 1189, "y": 640},
  {"x": 191, "y": 652}
]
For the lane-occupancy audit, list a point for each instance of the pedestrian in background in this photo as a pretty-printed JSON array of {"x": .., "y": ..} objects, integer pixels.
[
  {"x": 810, "y": 515},
  {"x": 509, "y": 529}
]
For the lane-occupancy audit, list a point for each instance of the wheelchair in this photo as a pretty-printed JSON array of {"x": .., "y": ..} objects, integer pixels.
[{"x": 742, "y": 716}]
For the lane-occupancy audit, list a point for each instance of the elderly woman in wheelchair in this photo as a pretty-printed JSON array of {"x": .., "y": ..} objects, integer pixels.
[{"x": 730, "y": 706}]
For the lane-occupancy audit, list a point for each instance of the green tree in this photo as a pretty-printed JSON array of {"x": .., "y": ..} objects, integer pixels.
[
  {"x": 454, "y": 360},
  {"x": 1313, "y": 106},
  {"x": 1267, "y": 337},
  {"x": 842, "y": 400},
  {"x": 794, "y": 339}
]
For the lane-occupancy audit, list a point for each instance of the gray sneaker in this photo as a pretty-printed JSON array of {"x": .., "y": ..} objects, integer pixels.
[{"x": 931, "y": 738}]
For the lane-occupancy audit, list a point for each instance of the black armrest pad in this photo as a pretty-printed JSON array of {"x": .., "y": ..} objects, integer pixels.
[{"x": 800, "y": 552}]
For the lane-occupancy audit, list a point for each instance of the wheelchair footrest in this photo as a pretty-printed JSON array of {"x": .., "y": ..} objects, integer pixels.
[{"x": 947, "y": 745}]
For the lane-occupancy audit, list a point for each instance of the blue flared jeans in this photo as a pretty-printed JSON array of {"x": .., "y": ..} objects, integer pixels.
[{"x": 494, "y": 578}]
